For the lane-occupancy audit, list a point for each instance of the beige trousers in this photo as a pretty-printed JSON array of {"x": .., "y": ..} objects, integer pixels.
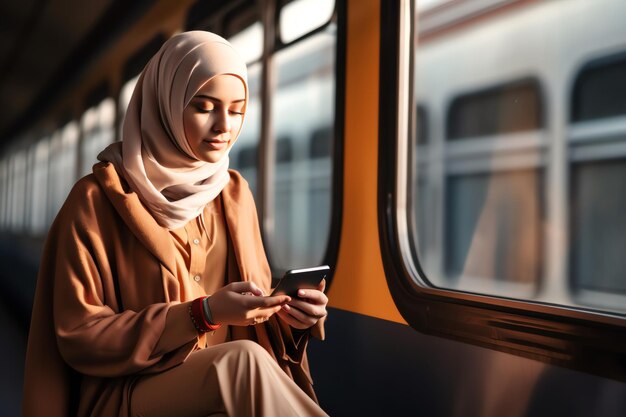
[{"x": 237, "y": 379}]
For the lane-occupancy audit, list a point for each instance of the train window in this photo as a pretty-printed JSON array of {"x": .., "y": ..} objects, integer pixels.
[
  {"x": 600, "y": 89},
  {"x": 303, "y": 103},
  {"x": 4, "y": 193},
  {"x": 39, "y": 190},
  {"x": 97, "y": 125},
  {"x": 493, "y": 232},
  {"x": 599, "y": 230},
  {"x": 18, "y": 197},
  {"x": 321, "y": 143},
  {"x": 247, "y": 157},
  {"x": 130, "y": 75},
  {"x": 421, "y": 125},
  {"x": 507, "y": 229},
  {"x": 243, "y": 156},
  {"x": 284, "y": 150},
  {"x": 489, "y": 237},
  {"x": 63, "y": 158},
  {"x": 597, "y": 145},
  {"x": 300, "y": 17},
  {"x": 249, "y": 42},
  {"x": 126, "y": 93},
  {"x": 507, "y": 108},
  {"x": 245, "y": 32}
]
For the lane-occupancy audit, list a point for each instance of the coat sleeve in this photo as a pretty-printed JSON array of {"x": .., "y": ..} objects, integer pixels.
[{"x": 92, "y": 336}]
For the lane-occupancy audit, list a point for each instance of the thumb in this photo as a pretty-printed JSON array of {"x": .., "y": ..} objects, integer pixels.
[{"x": 322, "y": 285}]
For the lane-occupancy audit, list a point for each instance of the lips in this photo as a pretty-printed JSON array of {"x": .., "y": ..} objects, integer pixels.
[{"x": 216, "y": 143}]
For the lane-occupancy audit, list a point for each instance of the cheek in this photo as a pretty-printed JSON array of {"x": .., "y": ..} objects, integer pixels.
[
  {"x": 236, "y": 125},
  {"x": 193, "y": 125}
]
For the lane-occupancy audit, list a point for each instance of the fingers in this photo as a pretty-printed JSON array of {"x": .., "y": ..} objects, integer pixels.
[
  {"x": 291, "y": 320},
  {"x": 263, "y": 314},
  {"x": 322, "y": 285},
  {"x": 314, "y": 311},
  {"x": 246, "y": 286},
  {"x": 314, "y": 296},
  {"x": 267, "y": 302}
]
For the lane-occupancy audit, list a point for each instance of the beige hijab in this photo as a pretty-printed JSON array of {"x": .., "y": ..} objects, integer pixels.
[{"x": 154, "y": 156}]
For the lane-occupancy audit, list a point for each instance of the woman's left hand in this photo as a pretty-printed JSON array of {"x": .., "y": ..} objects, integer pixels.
[{"x": 305, "y": 310}]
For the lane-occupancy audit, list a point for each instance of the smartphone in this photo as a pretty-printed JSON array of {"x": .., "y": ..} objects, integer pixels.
[{"x": 295, "y": 279}]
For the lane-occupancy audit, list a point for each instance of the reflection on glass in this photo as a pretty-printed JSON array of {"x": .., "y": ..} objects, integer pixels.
[
  {"x": 303, "y": 119},
  {"x": 243, "y": 155},
  {"x": 518, "y": 159}
]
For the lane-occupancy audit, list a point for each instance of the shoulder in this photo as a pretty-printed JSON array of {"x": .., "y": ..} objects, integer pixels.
[
  {"x": 238, "y": 188},
  {"x": 237, "y": 179},
  {"x": 85, "y": 203},
  {"x": 85, "y": 194}
]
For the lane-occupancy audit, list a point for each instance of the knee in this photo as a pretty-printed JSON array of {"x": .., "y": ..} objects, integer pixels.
[{"x": 249, "y": 349}]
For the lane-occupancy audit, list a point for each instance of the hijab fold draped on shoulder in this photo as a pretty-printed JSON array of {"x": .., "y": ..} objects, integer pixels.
[{"x": 154, "y": 156}]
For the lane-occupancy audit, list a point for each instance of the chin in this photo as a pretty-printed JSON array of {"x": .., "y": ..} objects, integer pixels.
[{"x": 212, "y": 157}]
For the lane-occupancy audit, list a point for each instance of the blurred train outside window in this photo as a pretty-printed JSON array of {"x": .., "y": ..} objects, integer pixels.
[
  {"x": 98, "y": 131},
  {"x": 517, "y": 160},
  {"x": 598, "y": 183},
  {"x": 302, "y": 123}
]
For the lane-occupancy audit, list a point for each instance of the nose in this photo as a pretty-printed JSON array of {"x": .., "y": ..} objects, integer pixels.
[{"x": 222, "y": 121}]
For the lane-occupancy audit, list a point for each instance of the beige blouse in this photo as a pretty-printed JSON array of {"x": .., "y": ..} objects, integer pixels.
[{"x": 201, "y": 255}]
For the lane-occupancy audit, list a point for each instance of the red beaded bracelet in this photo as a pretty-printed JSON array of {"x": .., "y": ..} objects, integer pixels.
[{"x": 198, "y": 318}]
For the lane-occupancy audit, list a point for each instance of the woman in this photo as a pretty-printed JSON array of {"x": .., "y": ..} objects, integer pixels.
[{"x": 121, "y": 322}]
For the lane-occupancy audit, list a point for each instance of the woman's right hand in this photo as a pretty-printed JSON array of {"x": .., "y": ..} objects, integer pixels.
[{"x": 244, "y": 304}]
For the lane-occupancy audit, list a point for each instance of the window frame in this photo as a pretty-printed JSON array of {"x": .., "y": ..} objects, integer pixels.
[
  {"x": 269, "y": 15},
  {"x": 583, "y": 339}
]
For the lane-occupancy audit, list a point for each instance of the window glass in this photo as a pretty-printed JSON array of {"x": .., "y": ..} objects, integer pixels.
[
  {"x": 302, "y": 124},
  {"x": 243, "y": 155},
  {"x": 125, "y": 94},
  {"x": 63, "y": 159},
  {"x": 39, "y": 190},
  {"x": 249, "y": 42},
  {"x": 4, "y": 179},
  {"x": 508, "y": 108},
  {"x": 98, "y": 128},
  {"x": 517, "y": 153},
  {"x": 302, "y": 16},
  {"x": 600, "y": 90},
  {"x": 18, "y": 198},
  {"x": 598, "y": 183}
]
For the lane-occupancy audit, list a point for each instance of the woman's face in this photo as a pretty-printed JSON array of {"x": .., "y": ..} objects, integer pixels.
[{"x": 213, "y": 117}]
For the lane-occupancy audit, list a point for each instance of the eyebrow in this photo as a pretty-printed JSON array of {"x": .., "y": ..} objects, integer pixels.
[{"x": 217, "y": 99}]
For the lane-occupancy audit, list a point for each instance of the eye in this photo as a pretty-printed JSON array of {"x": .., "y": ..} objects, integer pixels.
[
  {"x": 201, "y": 109},
  {"x": 236, "y": 113}
]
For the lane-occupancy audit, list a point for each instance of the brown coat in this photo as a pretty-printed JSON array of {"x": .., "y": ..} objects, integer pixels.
[{"x": 106, "y": 284}]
